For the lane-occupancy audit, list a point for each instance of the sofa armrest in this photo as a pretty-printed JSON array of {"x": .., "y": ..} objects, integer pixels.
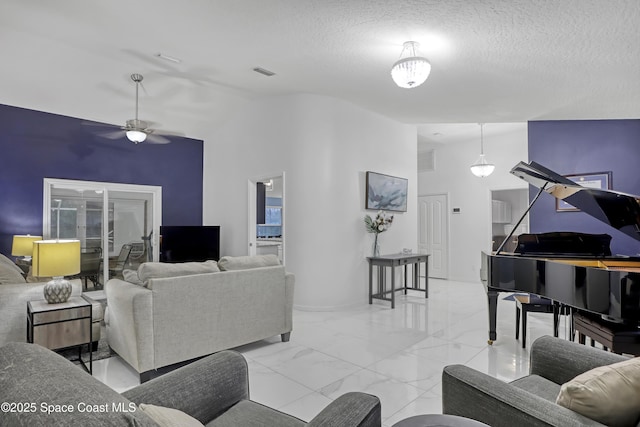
[
  {"x": 203, "y": 389},
  {"x": 560, "y": 360},
  {"x": 350, "y": 409},
  {"x": 129, "y": 322},
  {"x": 473, "y": 394}
]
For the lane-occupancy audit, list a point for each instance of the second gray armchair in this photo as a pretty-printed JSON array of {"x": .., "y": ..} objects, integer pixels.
[{"x": 528, "y": 401}]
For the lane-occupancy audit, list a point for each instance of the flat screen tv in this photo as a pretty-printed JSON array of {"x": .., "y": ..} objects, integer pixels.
[{"x": 187, "y": 243}]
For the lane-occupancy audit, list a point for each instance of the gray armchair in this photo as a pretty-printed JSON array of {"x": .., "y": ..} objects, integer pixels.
[
  {"x": 528, "y": 401},
  {"x": 218, "y": 390},
  {"x": 214, "y": 390}
]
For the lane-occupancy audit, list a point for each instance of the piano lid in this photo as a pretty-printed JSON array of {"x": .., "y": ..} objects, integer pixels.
[{"x": 619, "y": 210}]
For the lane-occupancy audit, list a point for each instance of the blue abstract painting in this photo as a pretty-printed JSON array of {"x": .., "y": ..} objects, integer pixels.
[{"x": 385, "y": 192}]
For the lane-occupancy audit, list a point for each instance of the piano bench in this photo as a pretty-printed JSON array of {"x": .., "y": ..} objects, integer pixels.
[
  {"x": 616, "y": 337},
  {"x": 535, "y": 304}
]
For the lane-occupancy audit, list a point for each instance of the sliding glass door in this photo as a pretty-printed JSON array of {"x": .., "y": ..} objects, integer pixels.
[{"x": 122, "y": 235}]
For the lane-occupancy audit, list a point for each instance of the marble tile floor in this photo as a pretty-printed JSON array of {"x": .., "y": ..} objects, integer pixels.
[{"x": 397, "y": 355}]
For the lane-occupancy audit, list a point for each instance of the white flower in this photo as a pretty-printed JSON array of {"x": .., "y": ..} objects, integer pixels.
[{"x": 381, "y": 227}]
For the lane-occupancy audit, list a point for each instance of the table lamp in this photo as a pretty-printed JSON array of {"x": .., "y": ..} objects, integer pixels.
[
  {"x": 56, "y": 258},
  {"x": 23, "y": 246}
]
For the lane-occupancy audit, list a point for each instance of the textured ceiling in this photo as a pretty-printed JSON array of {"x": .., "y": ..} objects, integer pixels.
[{"x": 493, "y": 60}]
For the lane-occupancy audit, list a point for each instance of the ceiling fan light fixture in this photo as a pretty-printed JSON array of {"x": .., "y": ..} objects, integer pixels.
[
  {"x": 482, "y": 168},
  {"x": 136, "y": 136},
  {"x": 410, "y": 70}
]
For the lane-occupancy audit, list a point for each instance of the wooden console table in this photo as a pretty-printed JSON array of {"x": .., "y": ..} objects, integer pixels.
[{"x": 393, "y": 261}]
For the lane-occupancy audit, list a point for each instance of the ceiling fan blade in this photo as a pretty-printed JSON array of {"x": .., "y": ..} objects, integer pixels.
[
  {"x": 152, "y": 138},
  {"x": 116, "y": 134},
  {"x": 167, "y": 132}
]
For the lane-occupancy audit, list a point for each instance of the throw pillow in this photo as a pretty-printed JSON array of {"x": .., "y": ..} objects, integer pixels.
[
  {"x": 169, "y": 417},
  {"x": 9, "y": 272},
  {"x": 607, "y": 394},
  {"x": 154, "y": 270},
  {"x": 131, "y": 276},
  {"x": 229, "y": 263}
]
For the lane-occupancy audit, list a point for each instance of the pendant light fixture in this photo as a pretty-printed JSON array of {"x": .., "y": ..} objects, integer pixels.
[
  {"x": 135, "y": 132},
  {"x": 481, "y": 168},
  {"x": 410, "y": 70}
]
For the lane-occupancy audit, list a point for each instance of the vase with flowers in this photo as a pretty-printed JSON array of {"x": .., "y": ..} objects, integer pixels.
[{"x": 377, "y": 225}]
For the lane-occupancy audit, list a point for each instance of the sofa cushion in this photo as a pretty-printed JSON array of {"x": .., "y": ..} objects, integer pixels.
[
  {"x": 169, "y": 417},
  {"x": 9, "y": 272},
  {"x": 248, "y": 413},
  {"x": 540, "y": 386},
  {"x": 229, "y": 263},
  {"x": 608, "y": 394},
  {"x": 155, "y": 270}
]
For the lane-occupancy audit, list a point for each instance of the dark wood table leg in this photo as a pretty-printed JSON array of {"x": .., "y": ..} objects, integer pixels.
[
  {"x": 370, "y": 284},
  {"x": 393, "y": 286},
  {"x": 405, "y": 279},
  {"x": 426, "y": 278},
  {"x": 524, "y": 325},
  {"x": 517, "y": 319},
  {"x": 492, "y": 297}
]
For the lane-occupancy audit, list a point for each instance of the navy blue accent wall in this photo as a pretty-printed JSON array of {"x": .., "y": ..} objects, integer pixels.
[
  {"x": 581, "y": 147},
  {"x": 36, "y": 145}
]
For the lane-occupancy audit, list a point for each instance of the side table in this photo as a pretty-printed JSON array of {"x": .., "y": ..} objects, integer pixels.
[
  {"x": 393, "y": 261},
  {"x": 59, "y": 326}
]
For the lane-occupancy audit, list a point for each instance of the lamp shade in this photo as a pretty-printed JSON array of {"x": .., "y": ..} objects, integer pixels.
[
  {"x": 23, "y": 245},
  {"x": 56, "y": 258}
]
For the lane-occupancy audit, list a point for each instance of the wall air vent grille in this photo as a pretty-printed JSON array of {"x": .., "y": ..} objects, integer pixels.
[{"x": 426, "y": 161}]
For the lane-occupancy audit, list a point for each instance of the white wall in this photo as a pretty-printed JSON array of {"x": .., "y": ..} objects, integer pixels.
[
  {"x": 324, "y": 146},
  {"x": 470, "y": 231}
]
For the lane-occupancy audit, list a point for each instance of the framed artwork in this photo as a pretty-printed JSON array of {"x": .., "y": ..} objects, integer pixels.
[
  {"x": 599, "y": 180},
  {"x": 385, "y": 192}
]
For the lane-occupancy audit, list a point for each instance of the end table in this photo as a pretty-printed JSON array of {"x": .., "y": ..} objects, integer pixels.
[{"x": 60, "y": 326}]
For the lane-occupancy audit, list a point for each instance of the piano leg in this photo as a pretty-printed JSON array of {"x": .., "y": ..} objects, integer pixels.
[{"x": 492, "y": 297}]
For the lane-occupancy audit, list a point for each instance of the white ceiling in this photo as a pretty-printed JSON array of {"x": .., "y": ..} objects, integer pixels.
[{"x": 493, "y": 61}]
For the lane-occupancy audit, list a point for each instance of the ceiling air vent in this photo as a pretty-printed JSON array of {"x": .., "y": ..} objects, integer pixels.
[
  {"x": 426, "y": 161},
  {"x": 264, "y": 72}
]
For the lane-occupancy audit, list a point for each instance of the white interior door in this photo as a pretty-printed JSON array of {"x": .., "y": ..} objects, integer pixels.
[{"x": 434, "y": 233}]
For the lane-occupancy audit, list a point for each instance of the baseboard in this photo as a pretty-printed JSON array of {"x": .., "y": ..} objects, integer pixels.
[{"x": 327, "y": 308}]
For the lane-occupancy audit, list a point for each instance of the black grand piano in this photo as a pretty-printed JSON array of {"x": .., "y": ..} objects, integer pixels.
[{"x": 574, "y": 269}]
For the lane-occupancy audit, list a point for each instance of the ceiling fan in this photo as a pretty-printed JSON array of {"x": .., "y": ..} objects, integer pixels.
[{"x": 137, "y": 130}]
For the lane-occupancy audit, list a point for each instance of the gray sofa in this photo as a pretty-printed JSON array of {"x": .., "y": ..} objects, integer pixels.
[
  {"x": 528, "y": 401},
  {"x": 175, "y": 319},
  {"x": 44, "y": 389},
  {"x": 15, "y": 292}
]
